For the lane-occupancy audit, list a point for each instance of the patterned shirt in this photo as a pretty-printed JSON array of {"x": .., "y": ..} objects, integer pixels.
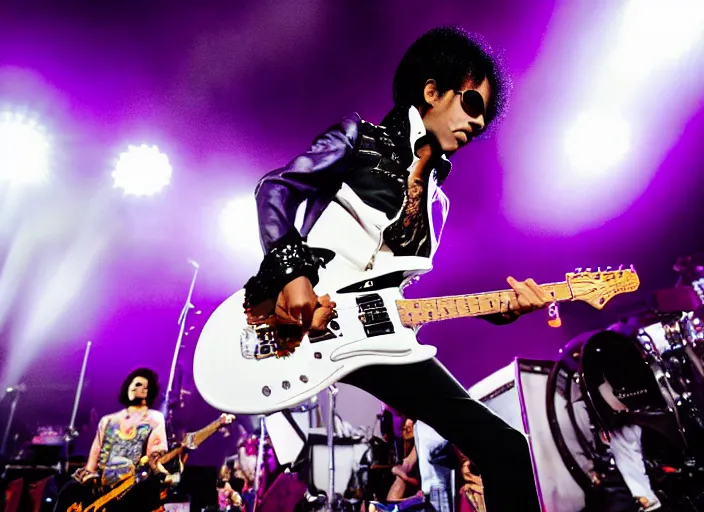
[
  {"x": 122, "y": 439},
  {"x": 410, "y": 233}
]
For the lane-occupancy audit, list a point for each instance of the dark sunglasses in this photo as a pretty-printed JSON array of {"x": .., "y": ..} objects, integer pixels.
[{"x": 472, "y": 102}]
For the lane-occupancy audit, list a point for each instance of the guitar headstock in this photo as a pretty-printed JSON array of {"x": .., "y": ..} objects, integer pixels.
[
  {"x": 598, "y": 288},
  {"x": 226, "y": 419}
]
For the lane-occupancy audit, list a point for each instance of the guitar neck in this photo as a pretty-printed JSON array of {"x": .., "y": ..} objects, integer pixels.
[
  {"x": 416, "y": 312},
  {"x": 192, "y": 441}
]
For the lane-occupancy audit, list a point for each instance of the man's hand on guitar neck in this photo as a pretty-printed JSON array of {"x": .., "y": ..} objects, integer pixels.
[
  {"x": 298, "y": 304},
  {"x": 529, "y": 297}
]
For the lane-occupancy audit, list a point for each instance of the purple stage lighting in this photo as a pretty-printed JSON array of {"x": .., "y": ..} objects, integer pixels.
[
  {"x": 25, "y": 149},
  {"x": 142, "y": 170}
]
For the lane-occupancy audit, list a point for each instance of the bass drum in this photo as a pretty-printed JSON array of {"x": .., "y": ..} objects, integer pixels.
[
  {"x": 580, "y": 417},
  {"x": 633, "y": 371},
  {"x": 659, "y": 382}
]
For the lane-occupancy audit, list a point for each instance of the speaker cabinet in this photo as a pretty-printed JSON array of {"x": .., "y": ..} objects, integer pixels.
[{"x": 517, "y": 394}]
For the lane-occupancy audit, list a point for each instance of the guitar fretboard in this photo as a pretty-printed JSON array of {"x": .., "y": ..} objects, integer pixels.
[
  {"x": 198, "y": 437},
  {"x": 416, "y": 312}
]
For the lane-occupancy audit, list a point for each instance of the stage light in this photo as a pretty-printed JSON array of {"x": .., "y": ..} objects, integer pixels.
[
  {"x": 655, "y": 33},
  {"x": 25, "y": 149},
  {"x": 597, "y": 141},
  {"x": 603, "y": 133},
  {"x": 142, "y": 170},
  {"x": 238, "y": 221}
]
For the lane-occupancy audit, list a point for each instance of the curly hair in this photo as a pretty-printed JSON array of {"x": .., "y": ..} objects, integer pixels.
[
  {"x": 450, "y": 56},
  {"x": 153, "y": 386}
]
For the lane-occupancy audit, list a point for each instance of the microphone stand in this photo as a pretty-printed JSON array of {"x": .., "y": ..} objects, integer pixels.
[
  {"x": 332, "y": 402},
  {"x": 259, "y": 473},
  {"x": 71, "y": 432},
  {"x": 166, "y": 406}
]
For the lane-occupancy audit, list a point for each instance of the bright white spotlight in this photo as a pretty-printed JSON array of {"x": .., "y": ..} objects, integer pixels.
[
  {"x": 655, "y": 32},
  {"x": 25, "y": 149},
  {"x": 238, "y": 221},
  {"x": 597, "y": 141},
  {"x": 142, "y": 170}
]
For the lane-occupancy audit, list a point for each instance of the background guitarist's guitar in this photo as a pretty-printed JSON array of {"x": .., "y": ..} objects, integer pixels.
[
  {"x": 256, "y": 369},
  {"x": 191, "y": 441}
]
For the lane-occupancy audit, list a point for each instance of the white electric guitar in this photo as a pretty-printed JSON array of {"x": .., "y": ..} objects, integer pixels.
[{"x": 259, "y": 369}]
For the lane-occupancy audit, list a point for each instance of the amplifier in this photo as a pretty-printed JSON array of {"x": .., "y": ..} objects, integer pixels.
[{"x": 517, "y": 394}]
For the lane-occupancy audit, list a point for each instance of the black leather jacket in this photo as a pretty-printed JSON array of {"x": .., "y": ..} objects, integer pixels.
[{"x": 372, "y": 160}]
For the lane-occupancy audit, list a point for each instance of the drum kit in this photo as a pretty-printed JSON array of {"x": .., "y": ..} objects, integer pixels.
[{"x": 652, "y": 363}]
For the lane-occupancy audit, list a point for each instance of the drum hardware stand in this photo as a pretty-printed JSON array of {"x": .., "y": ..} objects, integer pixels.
[
  {"x": 71, "y": 433},
  {"x": 13, "y": 407},
  {"x": 166, "y": 408},
  {"x": 314, "y": 416}
]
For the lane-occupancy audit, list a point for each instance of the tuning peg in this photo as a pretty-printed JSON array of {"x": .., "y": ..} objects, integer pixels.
[
  {"x": 598, "y": 269},
  {"x": 608, "y": 269},
  {"x": 633, "y": 269},
  {"x": 578, "y": 270},
  {"x": 588, "y": 269},
  {"x": 620, "y": 267}
]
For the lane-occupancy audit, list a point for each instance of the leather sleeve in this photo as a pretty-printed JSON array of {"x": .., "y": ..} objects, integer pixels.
[{"x": 317, "y": 172}]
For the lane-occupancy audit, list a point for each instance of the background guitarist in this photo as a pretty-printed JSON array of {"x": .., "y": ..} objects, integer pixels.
[
  {"x": 121, "y": 440},
  {"x": 366, "y": 185}
]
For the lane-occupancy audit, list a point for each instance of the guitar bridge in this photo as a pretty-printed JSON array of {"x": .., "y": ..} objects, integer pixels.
[{"x": 264, "y": 341}]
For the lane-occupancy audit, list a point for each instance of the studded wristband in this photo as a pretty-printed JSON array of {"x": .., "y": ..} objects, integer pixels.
[{"x": 289, "y": 259}]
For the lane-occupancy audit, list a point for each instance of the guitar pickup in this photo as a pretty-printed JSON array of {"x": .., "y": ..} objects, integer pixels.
[
  {"x": 378, "y": 329},
  {"x": 374, "y": 316}
]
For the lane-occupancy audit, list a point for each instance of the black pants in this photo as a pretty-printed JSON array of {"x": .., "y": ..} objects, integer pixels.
[{"x": 427, "y": 392}]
